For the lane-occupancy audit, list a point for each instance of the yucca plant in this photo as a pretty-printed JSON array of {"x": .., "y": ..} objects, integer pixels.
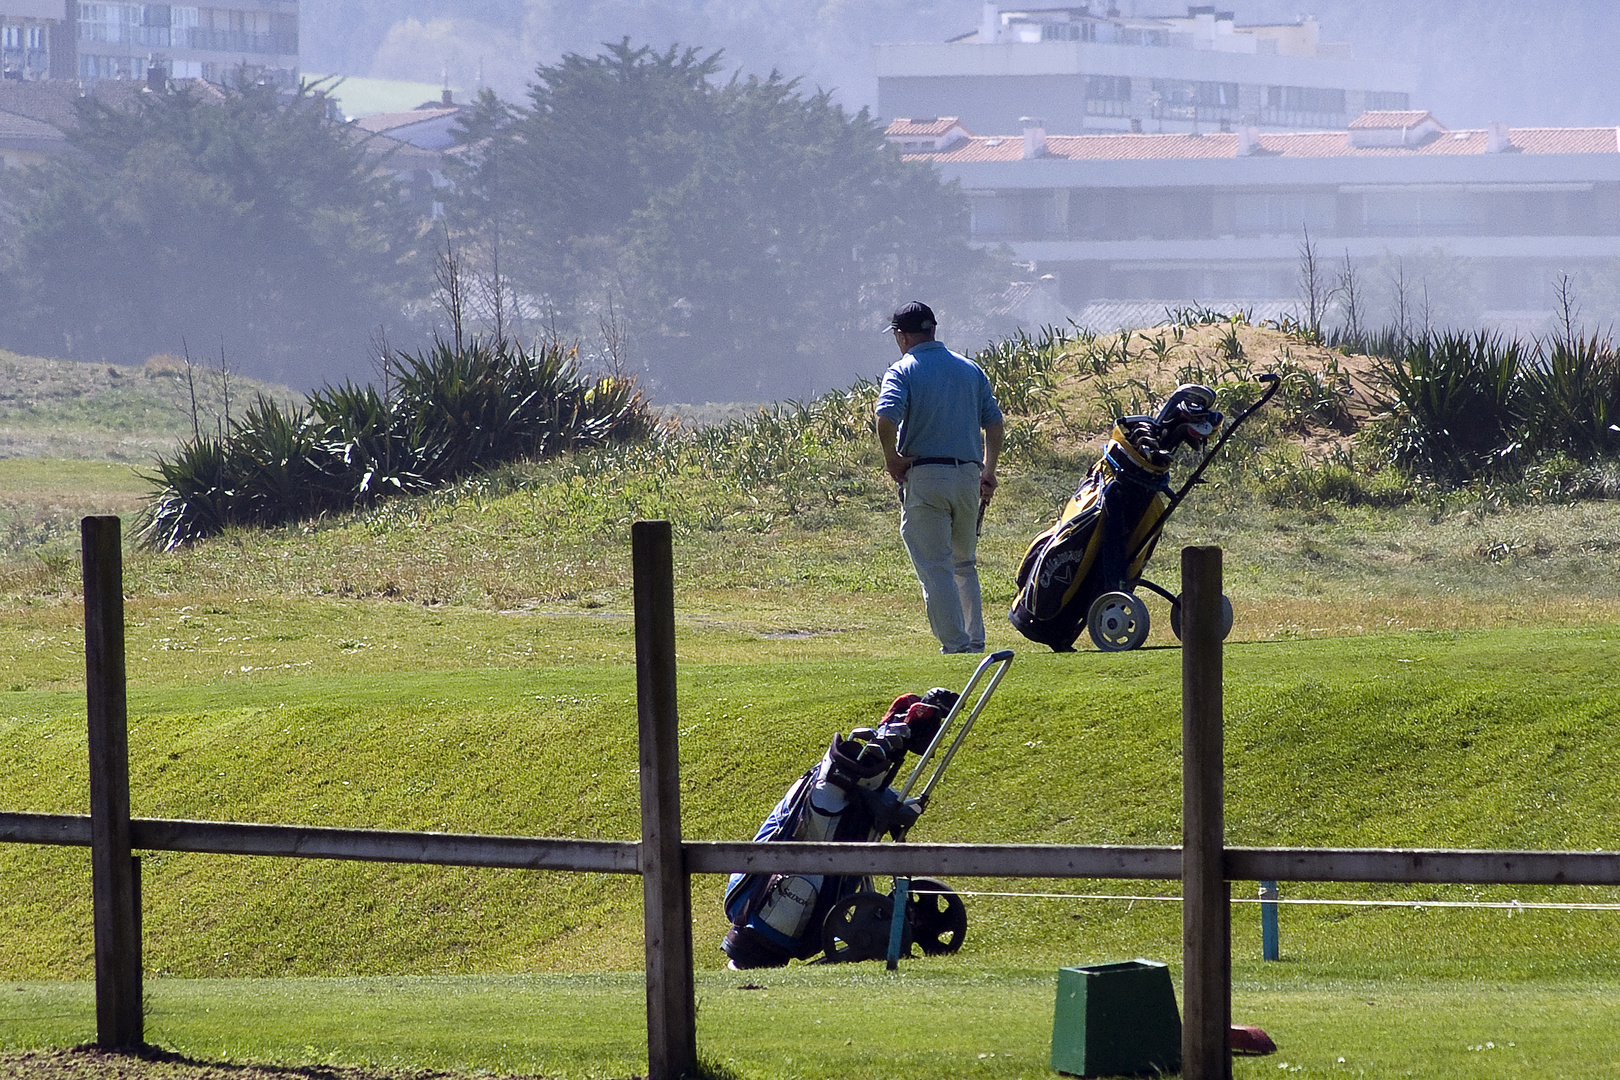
[
  {"x": 361, "y": 434},
  {"x": 1570, "y": 398},
  {"x": 277, "y": 470},
  {"x": 1451, "y": 403},
  {"x": 450, "y": 412},
  {"x": 193, "y": 494}
]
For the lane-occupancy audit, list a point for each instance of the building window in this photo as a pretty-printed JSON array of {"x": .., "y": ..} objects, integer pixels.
[
  {"x": 1390, "y": 100},
  {"x": 1216, "y": 95},
  {"x": 1176, "y": 99},
  {"x": 989, "y": 217},
  {"x": 1421, "y": 213},
  {"x": 1108, "y": 95},
  {"x": 1108, "y": 87},
  {"x": 1301, "y": 106},
  {"x": 1133, "y": 36},
  {"x": 11, "y": 37},
  {"x": 105, "y": 23},
  {"x": 92, "y": 66},
  {"x": 1321, "y": 99},
  {"x": 1082, "y": 31},
  {"x": 1283, "y": 213},
  {"x": 36, "y": 37}
]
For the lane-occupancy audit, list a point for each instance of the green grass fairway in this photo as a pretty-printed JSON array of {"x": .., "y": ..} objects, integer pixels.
[
  {"x": 1486, "y": 739},
  {"x": 933, "y": 1019},
  {"x": 365, "y": 714}
]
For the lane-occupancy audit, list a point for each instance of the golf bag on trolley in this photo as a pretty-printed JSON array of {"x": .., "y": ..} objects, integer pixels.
[
  {"x": 1082, "y": 572},
  {"x": 845, "y": 797},
  {"x": 855, "y": 794}
]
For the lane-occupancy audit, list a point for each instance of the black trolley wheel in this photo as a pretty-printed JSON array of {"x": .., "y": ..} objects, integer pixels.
[
  {"x": 1118, "y": 621},
  {"x": 857, "y": 928},
  {"x": 937, "y": 916}
]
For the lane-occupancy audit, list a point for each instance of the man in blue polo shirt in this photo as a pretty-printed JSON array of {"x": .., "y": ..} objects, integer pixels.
[{"x": 931, "y": 411}]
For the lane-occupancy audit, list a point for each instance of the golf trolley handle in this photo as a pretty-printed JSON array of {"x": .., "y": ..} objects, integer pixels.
[
  {"x": 1273, "y": 382},
  {"x": 1000, "y": 661}
]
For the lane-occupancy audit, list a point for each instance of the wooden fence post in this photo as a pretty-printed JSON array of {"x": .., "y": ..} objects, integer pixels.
[
  {"x": 665, "y": 888},
  {"x": 1206, "y": 928},
  {"x": 117, "y": 921}
]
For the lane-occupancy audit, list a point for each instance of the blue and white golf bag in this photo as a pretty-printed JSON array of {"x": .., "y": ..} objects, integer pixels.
[{"x": 846, "y": 797}]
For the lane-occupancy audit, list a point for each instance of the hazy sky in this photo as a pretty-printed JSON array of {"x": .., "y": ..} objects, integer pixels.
[{"x": 1524, "y": 62}]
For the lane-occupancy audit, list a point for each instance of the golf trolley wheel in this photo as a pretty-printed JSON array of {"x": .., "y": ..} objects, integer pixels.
[
  {"x": 1226, "y": 617},
  {"x": 1118, "y": 621},
  {"x": 857, "y": 928},
  {"x": 938, "y": 917}
]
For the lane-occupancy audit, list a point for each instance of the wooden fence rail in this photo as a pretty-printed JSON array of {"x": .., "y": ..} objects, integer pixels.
[
  {"x": 1436, "y": 866},
  {"x": 666, "y": 862}
]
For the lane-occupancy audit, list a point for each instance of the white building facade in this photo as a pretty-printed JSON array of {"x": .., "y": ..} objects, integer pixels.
[
  {"x": 1089, "y": 69},
  {"x": 216, "y": 41},
  {"x": 1176, "y": 218}
]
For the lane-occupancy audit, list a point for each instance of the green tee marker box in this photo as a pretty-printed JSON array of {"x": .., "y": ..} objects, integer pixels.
[{"x": 1116, "y": 1020}]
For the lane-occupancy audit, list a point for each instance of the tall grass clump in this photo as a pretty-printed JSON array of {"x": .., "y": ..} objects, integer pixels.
[
  {"x": 1024, "y": 371},
  {"x": 1450, "y": 403},
  {"x": 1570, "y": 398},
  {"x": 446, "y": 413},
  {"x": 1337, "y": 476},
  {"x": 1462, "y": 407}
]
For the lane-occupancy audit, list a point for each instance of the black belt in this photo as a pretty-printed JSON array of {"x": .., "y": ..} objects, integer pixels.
[{"x": 941, "y": 461}]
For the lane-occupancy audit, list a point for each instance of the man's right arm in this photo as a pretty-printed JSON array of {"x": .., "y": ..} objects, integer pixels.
[{"x": 888, "y": 433}]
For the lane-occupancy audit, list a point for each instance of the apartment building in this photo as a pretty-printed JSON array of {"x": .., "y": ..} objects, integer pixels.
[
  {"x": 32, "y": 43},
  {"x": 88, "y": 41},
  {"x": 1088, "y": 68},
  {"x": 1179, "y": 217}
]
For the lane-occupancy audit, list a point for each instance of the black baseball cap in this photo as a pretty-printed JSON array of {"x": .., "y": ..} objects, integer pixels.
[{"x": 913, "y": 318}]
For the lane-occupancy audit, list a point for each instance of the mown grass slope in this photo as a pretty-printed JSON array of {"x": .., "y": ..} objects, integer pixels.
[{"x": 1494, "y": 739}]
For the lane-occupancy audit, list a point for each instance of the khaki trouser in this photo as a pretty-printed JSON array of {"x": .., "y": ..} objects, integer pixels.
[{"x": 939, "y": 517}]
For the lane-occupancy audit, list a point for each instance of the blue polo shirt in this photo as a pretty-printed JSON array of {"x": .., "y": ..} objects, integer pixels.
[{"x": 940, "y": 400}]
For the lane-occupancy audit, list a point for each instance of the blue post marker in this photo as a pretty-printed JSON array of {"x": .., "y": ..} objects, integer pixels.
[
  {"x": 1269, "y": 947},
  {"x": 897, "y": 921}
]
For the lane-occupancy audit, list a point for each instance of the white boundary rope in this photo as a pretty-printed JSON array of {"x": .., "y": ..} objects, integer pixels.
[{"x": 1507, "y": 905}]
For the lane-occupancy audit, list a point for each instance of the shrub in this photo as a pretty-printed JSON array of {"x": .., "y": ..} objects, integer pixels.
[
  {"x": 446, "y": 414},
  {"x": 1570, "y": 397},
  {"x": 1450, "y": 401}
]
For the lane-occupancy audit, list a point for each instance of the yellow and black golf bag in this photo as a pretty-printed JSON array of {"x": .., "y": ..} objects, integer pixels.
[{"x": 1082, "y": 572}]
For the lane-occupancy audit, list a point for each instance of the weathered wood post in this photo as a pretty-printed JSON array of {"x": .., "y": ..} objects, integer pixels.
[
  {"x": 665, "y": 888},
  {"x": 1206, "y": 928},
  {"x": 114, "y": 900}
]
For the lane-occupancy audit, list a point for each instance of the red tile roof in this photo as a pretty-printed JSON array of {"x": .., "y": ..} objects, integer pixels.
[
  {"x": 921, "y": 126},
  {"x": 1391, "y": 118},
  {"x": 1312, "y": 144}
]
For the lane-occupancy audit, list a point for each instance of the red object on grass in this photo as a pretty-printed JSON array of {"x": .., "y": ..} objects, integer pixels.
[{"x": 1250, "y": 1040}]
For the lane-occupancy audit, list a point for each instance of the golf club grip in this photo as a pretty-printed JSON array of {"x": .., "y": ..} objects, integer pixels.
[{"x": 1274, "y": 382}]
